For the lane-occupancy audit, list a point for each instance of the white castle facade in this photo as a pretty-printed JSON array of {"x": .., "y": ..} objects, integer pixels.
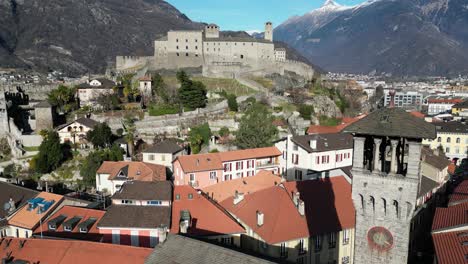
[{"x": 218, "y": 55}]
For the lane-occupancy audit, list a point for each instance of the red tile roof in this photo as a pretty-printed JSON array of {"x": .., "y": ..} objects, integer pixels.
[
  {"x": 450, "y": 248},
  {"x": 208, "y": 218},
  {"x": 70, "y": 212},
  {"x": 71, "y": 252},
  {"x": 282, "y": 221},
  {"x": 30, "y": 219},
  {"x": 138, "y": 171},
  {"x": 223, "y": 190},
  {"x": 213, "y": 161},
  {"x": 460, "y": 194},
  {"x": 451, "y": 217},
  {"x": 346, "y": 121},
  {"x": 146, "y": 78},
  {"x": 329, "y": 204},
  {"x": 417, "y": 114}
]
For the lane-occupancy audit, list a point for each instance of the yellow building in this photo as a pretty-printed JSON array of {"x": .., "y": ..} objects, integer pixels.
[
  {"x": 452, "y": 137},
  {"x": 460, "y": 109}
]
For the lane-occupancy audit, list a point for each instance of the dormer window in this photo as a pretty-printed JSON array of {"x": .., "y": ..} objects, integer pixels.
[{"x": 127, "y": 202}]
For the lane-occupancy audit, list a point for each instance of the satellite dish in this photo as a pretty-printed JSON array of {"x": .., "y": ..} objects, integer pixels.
[{"x": 6, "y": 206}]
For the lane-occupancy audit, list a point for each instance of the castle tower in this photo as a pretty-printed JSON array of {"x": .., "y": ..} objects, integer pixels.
[
  {"x": 212, "y": 31},
  {"x": 386, "y": 173},
  {"x": 44, "y": 117},
  {"x": 269, "y": 31}
]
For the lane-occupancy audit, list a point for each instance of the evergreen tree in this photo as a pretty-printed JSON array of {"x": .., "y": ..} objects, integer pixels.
[
  {"x": 100, "y": 136},
  {"x": 232, "y": 103},
  {"x": 94, "y": 161},
  {"x": 256, "y": 128},
  {"x": 51, "y": 154},
  {"x": 192, "y": 94},
  {"x": 63, "y": 98}
]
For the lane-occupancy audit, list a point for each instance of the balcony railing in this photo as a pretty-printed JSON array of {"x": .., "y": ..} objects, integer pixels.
[{"x": 262, "y": 164}]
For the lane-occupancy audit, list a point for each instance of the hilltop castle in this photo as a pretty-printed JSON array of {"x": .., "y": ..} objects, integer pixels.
[{"x": 218, "y": 55}]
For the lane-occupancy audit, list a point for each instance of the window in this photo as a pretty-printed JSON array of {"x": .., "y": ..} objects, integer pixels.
[
  {"x": 154, "y": 203},
  {"x": 151, "y": 157},
  {"x": 186, "y": 47},
  {"x": 295, "y": 147},
  {"x": 298, "y": 175},
  {"x": 227, "y": 240},
  {"x": 345, "y": 236},
  {"x": 192, "y": 177},
  {"x": 317, "y": 243},
  {"x": 227, "y": 177},
  {"x": 196, "y": 40},
  {"x": 213, "y": 175},
  {"x": 127, "y": 202},
  {"x": 239, "y": 165},
  {"x": 196, "y": 47},
  {"x": 448, "y": 140},
  {"x": 177, "y": 40},
  {"x": 67, "y": 228},
  {"x": 186, "y": 40},
  {"x": 178, "y": 54},
  {"x": 283, "y": 250},
  {"x": 242, "y": 56},
  {"x": 317, "y": 160},
  {"x": 163, "y": 157},
  {"x": 458, "y": 140},
  {"x": 295, "y": 159},
  {"x": 186, "y": 55},
  {"x": 447, "y": 150},
  {"x": 177, "y": 197},
  {"x": 332, "y": 240},
  {"x": 345, "y": 260},
  {"x": 439, "y": 139},
  {"x": 27, "y": 234},
  {"x": 301, "y": 248},
  {"x": 227, "y": 167},
  {"x": 190, "y": 196}
]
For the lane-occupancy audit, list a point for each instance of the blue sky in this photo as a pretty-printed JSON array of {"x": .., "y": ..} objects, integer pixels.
[{"x": 247, "y": 14}]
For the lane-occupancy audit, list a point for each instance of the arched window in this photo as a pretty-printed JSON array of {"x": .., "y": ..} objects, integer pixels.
[
  {"x": 448, "y": 140},
  {"x": 69, "y": 129},
  {"x": 384, "y": 205},
  {"x": 372, "y": 203},
  {"x": 439, "y": 139},
  {"x": 362, "y": 201},
  {"x": 397, "y": 209},
  {"x": 458, "y": 140},
  {"x": 81, "y": 129}
]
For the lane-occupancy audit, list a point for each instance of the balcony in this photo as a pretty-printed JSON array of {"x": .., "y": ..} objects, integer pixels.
[
  {"x": 194, "y": 184},
  {"x": 265, "y": 164}
]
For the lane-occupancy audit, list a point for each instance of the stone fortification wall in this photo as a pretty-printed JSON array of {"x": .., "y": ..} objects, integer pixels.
[
  {"x": 131, "y": 63},
  {"x": 26, "y": 140}
]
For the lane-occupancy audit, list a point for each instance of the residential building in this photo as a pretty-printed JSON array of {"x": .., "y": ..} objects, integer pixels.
[
  {"x": 112, "y": 175},
  {"x": 403, "y": 99},
  {"x": 196, "y": 215},
  {"x": 314, "y": 156},
  {"x": 450, "y": 228},
  {"x": 13, "y": 198},
  {"x": 163, "y": 153},
  {"x": 172, "y": 251},
  {"x": 71, "y": 222},
  {"x": 145, "y": 86},
  {"x": 452, "y": 137},
  {"x": 460, "y": 109},
  {"x": 441, "y": 104},
  {"x": 280, "y": 54},
  {"x": 434, "y": 165},
  {"x": 140, "y": 214},
  {"x": 287, "y": 223},
  {"x": 54, "y": 251},
  {"x": 23, "y": 223},
  {"x": 89, "y": 92},
  {"x": 386, "y": 184},
  {"x": 202, "y": 170},
  {"x": 75, "y": 132},
  {"x": 224, "y": 190}
]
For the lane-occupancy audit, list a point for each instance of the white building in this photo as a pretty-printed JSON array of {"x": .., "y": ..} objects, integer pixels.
[
  {"x": 441, "y": 104},
  {"x": 280, "y": 54},
  {"x": 89, "y": 92},
  {"x": 163, "y": 153},
  {"x": 315, "y": 156},
  {"x": 75, "y": 131},
  {"x": 404, "y": 99}
]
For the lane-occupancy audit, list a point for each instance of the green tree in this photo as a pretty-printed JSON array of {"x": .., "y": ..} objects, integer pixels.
[
  {"x": 232, "y": 103},
  {"x": 63, "y": 98},
  {"x": 256, "y": 128},
  {"x": 192, "y": 94},
  {"x": 100, "y": 136},
  {"x": 51, "y": 153},
  {"x": 158, "y": 88},
  {"x": 95, "y": 159},
  {"x": 130, "y": 130},
  {"x": 5, "y": 149},
  {"x": 109, "y": 101},
  {"x": 199, "y": 136},
  {"x": 306, "y": 111},
  {"x": 224, "y": 131}
]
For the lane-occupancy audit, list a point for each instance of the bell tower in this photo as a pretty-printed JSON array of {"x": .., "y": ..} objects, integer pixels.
[
  {"x": 269, "y": 31},
  {"x": 386, "y": 172}
]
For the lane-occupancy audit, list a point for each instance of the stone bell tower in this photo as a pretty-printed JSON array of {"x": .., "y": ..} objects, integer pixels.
[
  {"x": 269, "y": 31},
  {"x": 386, "y": 172}
]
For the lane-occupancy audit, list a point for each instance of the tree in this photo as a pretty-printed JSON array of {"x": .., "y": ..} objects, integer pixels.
[
  {"x": 95, "y": 159},
  {"x": 63, "y": 98},
  {"x": 158, "y": 88},
  {"x": 130, "y": 129},
  {"x": 109, "y": 101},
  {"x": 100, "y": 136},
  {"x": 224, "y": 132},
  {"x": 5, "y": 149},
  {"x": 51, "y": 154},
  {"x": 199, "y": 136},
  {"x": 306, "y": 111},
  {"x": 232, "y": 103},
  {"x": 256, "y": 128},
  {"x": 192, "y": 94}
]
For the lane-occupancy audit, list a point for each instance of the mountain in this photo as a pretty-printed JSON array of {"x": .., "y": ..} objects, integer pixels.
[
  {"x": 78, "y": 36},
  {"x": 401, "y": 37}
]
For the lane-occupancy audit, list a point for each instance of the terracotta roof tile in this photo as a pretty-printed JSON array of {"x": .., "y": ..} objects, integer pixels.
[
  {"x": 71, "y": 252},
  {"x": 132, "y": 216},
  {"x": 30, "y": 219},
  {"x": 250, "y": 154},
  {"x": 450, "y": 247},
  {"x": 279, "y": 212},
  {"x": 453, "y": 216},
  {"x": 138, "y": 171},
  {"x": 223, "y": 190},
  {"x": 460, "y": 194},
  {"x": 69, "y": 212},
  {"x": 328, "y": 203},
  {"x": 208, "y": 218},
  {"x": 346, "y": 121}
]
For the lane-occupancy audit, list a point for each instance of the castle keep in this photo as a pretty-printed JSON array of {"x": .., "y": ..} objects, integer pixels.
[
  {"x": 218, "y": 55},
  {"x": 386, "y": 181}
]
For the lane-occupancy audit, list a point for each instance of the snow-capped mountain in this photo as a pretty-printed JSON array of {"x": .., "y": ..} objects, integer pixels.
[{"x": 402, "y": 37}]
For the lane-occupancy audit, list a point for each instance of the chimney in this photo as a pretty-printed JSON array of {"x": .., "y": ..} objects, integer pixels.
[
  {"x": 296, "y": 198},
  {"x": 301, "y": 208},
  {"x": 260, "y": 218},
  {"x": 313, "y": 143},
  {"x": 238, "y": 197}
]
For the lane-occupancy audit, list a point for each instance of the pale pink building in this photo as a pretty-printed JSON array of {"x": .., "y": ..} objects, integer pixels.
[{"x": 203, "y": 170}]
